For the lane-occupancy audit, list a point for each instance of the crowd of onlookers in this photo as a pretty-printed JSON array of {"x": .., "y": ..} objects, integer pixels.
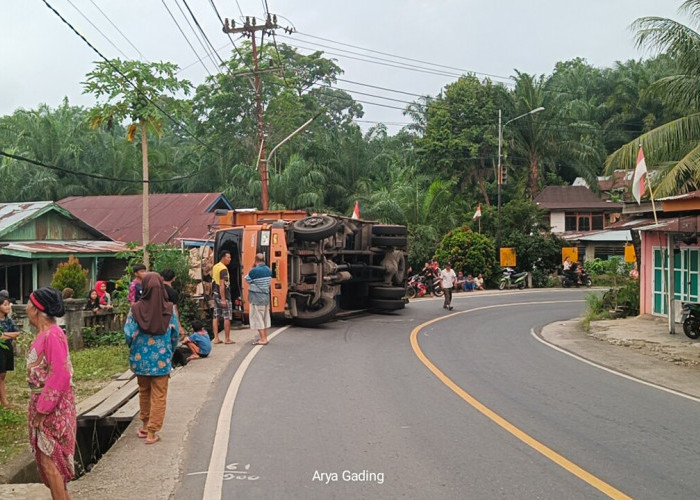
[{"x": 431, "y": 271}]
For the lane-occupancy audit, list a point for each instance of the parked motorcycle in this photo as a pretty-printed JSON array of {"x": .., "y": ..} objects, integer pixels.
[
  {"x": 570, "y": 278},
  {"x": 512, "y": 279},
  {"x": 417, "y": 287},
  {"x": 690, "y": 317}
]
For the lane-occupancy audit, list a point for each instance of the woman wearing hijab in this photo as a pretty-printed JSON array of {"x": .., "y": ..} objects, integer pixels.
[
  {"x": 151, "y": 333},
  {"x": 105, "y": 298},
  {"x": 51, "y": 417}
]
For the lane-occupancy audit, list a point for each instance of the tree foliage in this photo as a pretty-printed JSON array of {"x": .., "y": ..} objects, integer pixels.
[{"x": 469, "y": 252}]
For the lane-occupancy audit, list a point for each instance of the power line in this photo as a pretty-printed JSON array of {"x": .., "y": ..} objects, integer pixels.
[
  {"x": 461, "y": 70},
  {"x": 98, "y": 30},
  {"x": 196, "y": 22},
  {"x": 88, "y": 174},
  {"x": 120, "y": 31},
  {"x": 186, "y": 39},
  {"x": 381, "y": 63},
  {"x": 228, "y": 34},
  {"x": 126, "y": 79}
]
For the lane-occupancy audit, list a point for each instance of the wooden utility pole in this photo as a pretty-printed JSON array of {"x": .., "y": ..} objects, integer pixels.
[{"x": 250, "y": 29}]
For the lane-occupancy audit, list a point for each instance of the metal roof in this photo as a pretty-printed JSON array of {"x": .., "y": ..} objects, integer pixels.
[
  {"x": 61, "y": 248},
  {"x": 572, "y": 198},
  {"x": 600, "y": 236},
  {"x": 172, "y": 216},
  {"x": 15, "y": 215},
  {"x": 693, "y": 195}
]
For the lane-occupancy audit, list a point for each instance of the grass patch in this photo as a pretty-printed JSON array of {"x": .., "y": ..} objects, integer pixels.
[
  {"x": 595, "y": 311},
  {"x": 93, "y": 369}
]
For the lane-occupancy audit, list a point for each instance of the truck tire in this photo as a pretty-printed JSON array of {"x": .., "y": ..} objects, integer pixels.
[
  {"x": 389, "y": 241},
  {"x": 324, "y": 312},
  {"x": 387, "y": 292},
  {"x": 314, "y": 228},
  {"x": 387, "y": 229},
  {"x": 386, "y": 304}
]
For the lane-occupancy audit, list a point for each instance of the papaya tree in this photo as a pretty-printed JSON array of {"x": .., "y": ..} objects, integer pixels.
[{"x": 139, "y": 93}]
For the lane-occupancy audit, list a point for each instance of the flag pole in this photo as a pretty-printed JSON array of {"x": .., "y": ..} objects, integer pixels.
[{"x": 651, "y": 193}]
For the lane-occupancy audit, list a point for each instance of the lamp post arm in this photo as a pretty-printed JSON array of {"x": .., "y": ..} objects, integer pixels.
[
  {"x": 306, "y": 124},
  {"x": 531, "y": 112}
]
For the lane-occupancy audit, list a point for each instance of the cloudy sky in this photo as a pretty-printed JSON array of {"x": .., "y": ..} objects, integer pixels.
[{"x": 43, "y": 60}]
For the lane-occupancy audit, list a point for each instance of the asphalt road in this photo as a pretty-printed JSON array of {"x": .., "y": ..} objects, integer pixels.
[{"x": 470, "y": 406}]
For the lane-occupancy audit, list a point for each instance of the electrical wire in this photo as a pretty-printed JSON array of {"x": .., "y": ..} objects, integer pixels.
[
  {"x": 98, "y": 30},
  {"x": 120, "y": 31},
  {"x": 91, "y": 175},
  {"x": 186, "y": 39},
  {"x": 379, "y": 62},
  {"x": 461, "y": 70},
  {"x": 211, "y": 2},
  {"x": 126, "y": 79},
  {"x": 196, "y": 22}
]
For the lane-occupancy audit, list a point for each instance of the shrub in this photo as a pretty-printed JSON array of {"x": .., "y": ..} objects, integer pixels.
[
  {"x": 95, "y": 337},
  {"x": 469, "y": 252},
  {"x": 71, "y": 275}
]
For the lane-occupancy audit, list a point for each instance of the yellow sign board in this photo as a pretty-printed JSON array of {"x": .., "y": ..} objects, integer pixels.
[
  {"x": 630, "y": 255},
  {"x": 570, "y": 252},
  {"x": 508, "y": 258}
]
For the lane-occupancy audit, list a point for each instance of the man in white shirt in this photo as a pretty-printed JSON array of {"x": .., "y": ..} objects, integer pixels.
[{"x": 448, "y": 278}]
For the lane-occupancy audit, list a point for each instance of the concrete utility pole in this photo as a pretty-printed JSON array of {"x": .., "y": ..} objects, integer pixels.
[{"x": 250, "y": 29}]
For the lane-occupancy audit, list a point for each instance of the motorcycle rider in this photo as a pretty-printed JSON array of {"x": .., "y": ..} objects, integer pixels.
[{"x": 428, "y": 273}]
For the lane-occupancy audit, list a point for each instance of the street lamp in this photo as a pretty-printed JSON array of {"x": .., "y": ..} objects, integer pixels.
[{"x": 500, "y": 171}]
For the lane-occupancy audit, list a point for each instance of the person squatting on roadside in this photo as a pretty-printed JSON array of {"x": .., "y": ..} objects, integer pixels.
[
  {"x": 198, "y": 341},
  {"x": 151, "y": 332},
  {"x": 52, "y": 417},
  {"x": 259, "y": 298},
  {"x": 221, "y": 293},
  {"x": 449, "y": 278}
]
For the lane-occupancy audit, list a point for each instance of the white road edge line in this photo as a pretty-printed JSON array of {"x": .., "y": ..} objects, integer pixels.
[
  {"x": 614, "y": 372},
  {"x": 217, "y": 464}
]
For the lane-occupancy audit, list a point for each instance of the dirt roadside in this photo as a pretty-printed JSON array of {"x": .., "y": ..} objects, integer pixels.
[{"x": 640, "y": 347}]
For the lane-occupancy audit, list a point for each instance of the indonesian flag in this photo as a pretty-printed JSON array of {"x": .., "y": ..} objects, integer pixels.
[
  {"x": 640, "y": 175},
  {"x": 478, "y": 212},
  {"x": 356, "y": 212}
]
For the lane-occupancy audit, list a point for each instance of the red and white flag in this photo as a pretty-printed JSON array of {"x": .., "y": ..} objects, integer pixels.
[
  {"x": 478, "y": 212},
  {"x": 356, "y": 212},
  {"x": 640, "y": 177}
]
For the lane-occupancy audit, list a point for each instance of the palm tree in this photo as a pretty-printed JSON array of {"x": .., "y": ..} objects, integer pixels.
[{"x": 675, "y": 145}]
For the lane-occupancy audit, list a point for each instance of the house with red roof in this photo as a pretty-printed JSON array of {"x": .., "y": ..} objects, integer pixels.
[{"x": 182, "y": 219}]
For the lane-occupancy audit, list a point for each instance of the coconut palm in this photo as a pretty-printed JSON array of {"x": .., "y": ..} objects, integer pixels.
[{"x": 675, "y": 145}]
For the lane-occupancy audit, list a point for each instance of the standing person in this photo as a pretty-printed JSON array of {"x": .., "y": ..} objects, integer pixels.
[
  {"x": 51, "y": 418},
  {"x": 7, "y": 355},
  {"x": 448, "y": 278},
  {"x": 151, "y": 332},
  {"x": 221, "y": 292},
  {"x": 259, "y": 298},
  {"x": 172, "y": 295},
  {"x": 135, "y": 289}
]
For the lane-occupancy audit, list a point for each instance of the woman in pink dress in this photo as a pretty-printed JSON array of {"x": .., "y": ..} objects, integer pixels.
[{"x": 51, "y": 418}]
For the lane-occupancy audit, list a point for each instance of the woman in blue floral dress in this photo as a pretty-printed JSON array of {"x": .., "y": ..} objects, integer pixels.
[{"x": 151, "y": 332}]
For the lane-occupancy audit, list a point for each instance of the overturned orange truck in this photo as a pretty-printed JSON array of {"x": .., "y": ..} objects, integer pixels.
[{"x": 320, "y": 264}]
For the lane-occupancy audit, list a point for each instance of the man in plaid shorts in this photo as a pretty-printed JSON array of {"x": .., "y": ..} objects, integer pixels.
[{"x": 221, "y": 292}]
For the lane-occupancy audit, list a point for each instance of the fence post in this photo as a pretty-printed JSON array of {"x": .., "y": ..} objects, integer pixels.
[{"x": 74, "y": 322}]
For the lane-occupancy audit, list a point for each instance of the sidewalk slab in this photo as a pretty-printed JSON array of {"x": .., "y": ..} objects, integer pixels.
[{"x": 640, "y": 347}]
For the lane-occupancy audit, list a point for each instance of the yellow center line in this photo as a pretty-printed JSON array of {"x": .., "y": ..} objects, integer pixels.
[{"x": 502, "y": 422}]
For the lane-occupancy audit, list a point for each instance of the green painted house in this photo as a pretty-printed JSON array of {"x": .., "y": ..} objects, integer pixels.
[{"x": 37, "y": 236}]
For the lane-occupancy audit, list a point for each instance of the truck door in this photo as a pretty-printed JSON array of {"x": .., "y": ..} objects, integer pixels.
[{"x": 230, "y": 240}]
